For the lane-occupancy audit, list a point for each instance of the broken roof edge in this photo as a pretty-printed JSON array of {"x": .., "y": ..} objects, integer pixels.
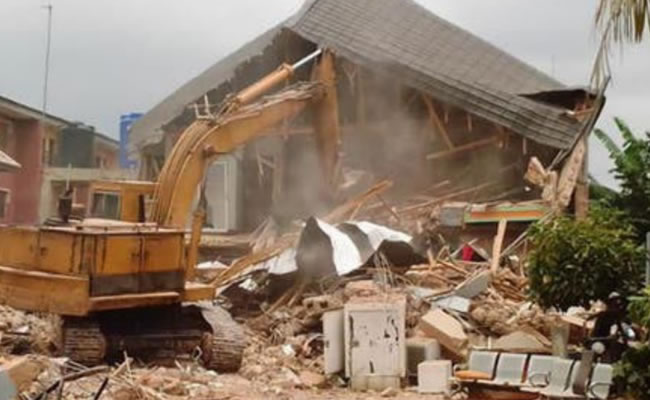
[
  {"x": 537, "y": 110},
  {"x": 8, "y": 164},
  {"x": 149, "y": 129}
]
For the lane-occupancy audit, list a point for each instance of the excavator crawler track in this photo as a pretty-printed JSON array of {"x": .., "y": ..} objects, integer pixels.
[
  {"x": 83, "y": 340},
  {"x": 157, "y": 334},
  {"x": 222, "y": 348}
]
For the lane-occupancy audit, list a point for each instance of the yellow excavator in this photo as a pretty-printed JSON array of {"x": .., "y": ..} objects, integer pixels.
[{"x": 127, "y": 285}]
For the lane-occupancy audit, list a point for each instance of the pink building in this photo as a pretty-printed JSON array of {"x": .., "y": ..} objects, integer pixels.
[{"x": 27, "y": 137}]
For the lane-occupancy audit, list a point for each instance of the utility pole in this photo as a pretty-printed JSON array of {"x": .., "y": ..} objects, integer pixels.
[{"x": 47, "y": 56}]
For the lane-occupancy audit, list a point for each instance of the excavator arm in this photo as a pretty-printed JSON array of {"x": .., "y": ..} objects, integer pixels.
[
  {"x": 241, "y": 119},
  {"x": 205, "y": 140}
]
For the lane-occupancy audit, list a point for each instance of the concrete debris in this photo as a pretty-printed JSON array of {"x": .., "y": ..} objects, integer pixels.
[
  {"x": 17, "y": 374},
  {"x": 419, "y": 350},
  {"x": 447, "y": 330},
  {"x": 521, "y": 342},
  {"x": 474, "y": 285},
  {"x": 434, "y": 377},
  {"x": 23, "y": 333},
  {"x": 332, "y": 307},
  {"x": 362, "y": 289},
  {"x": 454, "y": 303}
]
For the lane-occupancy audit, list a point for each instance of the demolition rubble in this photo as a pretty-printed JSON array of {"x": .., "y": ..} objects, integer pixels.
[
  {"x": 337, "y": 305},
  {"x": 375, "y": 189}
]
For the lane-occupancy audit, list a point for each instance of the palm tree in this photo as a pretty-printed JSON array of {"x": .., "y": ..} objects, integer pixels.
[
  {"x": 623, "y": 20},
  {"x": 620, "y": 21}
]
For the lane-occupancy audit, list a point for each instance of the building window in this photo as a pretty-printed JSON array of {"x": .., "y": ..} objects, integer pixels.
[
  {"x": 49, "y": 151},
  {"x": 4, "y": 203},
  {"x": 106, "y": 205}
]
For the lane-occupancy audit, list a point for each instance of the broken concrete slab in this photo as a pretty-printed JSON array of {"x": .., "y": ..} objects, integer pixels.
[
  {"x": 520, "y": 342},
  {"x": 447, "y": 330},
  {"x": 454, "y": 303},
  {"x": 434, "y": 377},
  {"x": 474, "y": 285}
]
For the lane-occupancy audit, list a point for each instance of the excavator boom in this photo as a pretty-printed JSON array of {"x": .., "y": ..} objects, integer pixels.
[{"x": 205, "y": 140}]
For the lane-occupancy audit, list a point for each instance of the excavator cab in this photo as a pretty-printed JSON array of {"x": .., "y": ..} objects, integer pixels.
[{"x": 127, "y": 201}]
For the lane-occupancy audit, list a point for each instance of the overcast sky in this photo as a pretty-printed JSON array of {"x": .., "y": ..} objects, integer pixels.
[{"x": 111, "y": 57}]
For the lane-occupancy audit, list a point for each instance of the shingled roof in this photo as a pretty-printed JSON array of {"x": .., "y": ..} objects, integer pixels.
[{"x": 411, "y": 43}]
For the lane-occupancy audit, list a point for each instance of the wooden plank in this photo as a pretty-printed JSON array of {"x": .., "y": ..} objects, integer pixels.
[
  {"x": 570, "y": 173},
  {"x": 464, "y": 148},
  {"x": 437, "y": 124},
  {"x": 326, "y": 119},
  {"x": 498, "y": 245},
  {"x": 43, "y": 292}
]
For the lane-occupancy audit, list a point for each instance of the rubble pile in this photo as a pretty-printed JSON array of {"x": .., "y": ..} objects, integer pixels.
[
  {"x": 23, "y": 333},
  {"x": 456, "y": 297}
]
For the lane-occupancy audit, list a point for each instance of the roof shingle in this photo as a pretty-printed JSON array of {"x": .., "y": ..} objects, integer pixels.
[{"x": 421, "y": 49}]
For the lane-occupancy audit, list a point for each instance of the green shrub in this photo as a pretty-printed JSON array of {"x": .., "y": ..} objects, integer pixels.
[
  {"x": 639, "y": 309},
  {"x": 632, "y": 373},
  {"x": 576, "y": 262}
]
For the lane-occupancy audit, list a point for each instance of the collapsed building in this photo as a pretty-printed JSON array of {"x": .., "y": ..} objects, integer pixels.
[
  {"x": 428, "y": 130},
  {"x": 441, "y": 113}
]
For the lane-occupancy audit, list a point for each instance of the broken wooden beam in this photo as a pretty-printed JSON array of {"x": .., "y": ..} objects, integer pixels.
[
  {"x": 464, "y": 148},
  {"x": 498, "y": 245},
  {"x": 436, "y": 122},
  {"x": 326, "y": 118}
]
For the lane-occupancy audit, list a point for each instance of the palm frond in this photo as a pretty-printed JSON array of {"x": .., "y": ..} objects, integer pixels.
[
  {"x": 620, "y": 21},
  {"x": 611, "y": 146},
  {"x": 625, "y": 130}
]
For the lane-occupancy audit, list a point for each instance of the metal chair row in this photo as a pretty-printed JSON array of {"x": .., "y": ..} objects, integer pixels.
[{"x": 551, "y": 377}]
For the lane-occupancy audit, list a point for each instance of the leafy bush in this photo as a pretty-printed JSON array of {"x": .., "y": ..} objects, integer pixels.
[
  {"x": 576, "y": 262},
  {"x": 632, "y": 373},
  {"x": 639, "y": 309}
]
